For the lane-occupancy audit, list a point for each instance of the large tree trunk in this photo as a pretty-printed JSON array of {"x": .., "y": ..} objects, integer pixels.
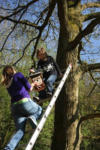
[{"x": 66, "y": 108}]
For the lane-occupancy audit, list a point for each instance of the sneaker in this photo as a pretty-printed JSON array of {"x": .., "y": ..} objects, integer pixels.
[
  {"x": 33, "y": 121},
  {"x": 36, "y": 99},
  {"x": 49, "y": 93},
  {"x": 6, "y": 148}
]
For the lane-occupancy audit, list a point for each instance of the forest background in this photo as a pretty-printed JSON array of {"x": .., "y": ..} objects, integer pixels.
[{"x": 70, "y": 33}]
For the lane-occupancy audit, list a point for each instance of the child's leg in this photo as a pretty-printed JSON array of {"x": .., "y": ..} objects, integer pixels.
[{"x": 50, "y": 81}]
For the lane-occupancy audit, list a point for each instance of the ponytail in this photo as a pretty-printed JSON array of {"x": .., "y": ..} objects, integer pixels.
[{"x": 7, "y": 74}]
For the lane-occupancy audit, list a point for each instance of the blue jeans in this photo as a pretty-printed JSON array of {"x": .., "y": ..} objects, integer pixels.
[
  {"x": 50, "y": 81},
  {"x": 49, "y": 85},
  {"x": 20, "y": 113}
]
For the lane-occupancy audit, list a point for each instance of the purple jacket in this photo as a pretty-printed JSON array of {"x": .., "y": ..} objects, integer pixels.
[{"x": 19, "y": 87}]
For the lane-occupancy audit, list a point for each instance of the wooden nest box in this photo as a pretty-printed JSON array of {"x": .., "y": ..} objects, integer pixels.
[{"x": 37, "y": 79}]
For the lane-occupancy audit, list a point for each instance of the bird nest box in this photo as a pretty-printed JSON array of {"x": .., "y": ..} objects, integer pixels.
[{"x": 37, "y": 79}]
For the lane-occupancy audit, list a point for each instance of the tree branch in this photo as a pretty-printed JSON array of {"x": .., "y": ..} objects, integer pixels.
[
  {"x": 97, "y": 138},
  {"x": 50, "y": 10},
  {"x": 90, "y": 5},
  {"x": 84, "y": 118},
  {"x": 90, "y": 67},
  {"x": 95, "y": 84},
  {"x": 93, "y": 88},
  {"x": 19, "y": 10},
  {"x": 89, "y": 116},
  {"x": 91, "y": 16},
  {"x": 24, "y": 50},
  {"x": 24, "y": 22},
  {"x": 12, "y": 30},
  {"x": 86, "y": 31}
]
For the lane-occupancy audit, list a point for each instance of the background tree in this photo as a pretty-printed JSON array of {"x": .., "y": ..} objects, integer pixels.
[{"x": 43, "y": 23}]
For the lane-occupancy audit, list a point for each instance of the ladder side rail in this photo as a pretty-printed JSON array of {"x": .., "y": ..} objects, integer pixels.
[{"x": 47, "y": 112}]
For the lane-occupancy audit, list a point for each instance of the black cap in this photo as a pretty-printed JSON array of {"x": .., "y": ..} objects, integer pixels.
[{"x": 35, "y": 74}]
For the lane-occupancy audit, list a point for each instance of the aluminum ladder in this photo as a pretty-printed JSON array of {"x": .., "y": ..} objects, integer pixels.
[{"x": 48, "y": 110}]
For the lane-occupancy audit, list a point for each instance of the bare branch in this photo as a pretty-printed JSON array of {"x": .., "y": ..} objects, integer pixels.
[
  {"x": 47, "y": 33},
  {"x": 24, "y": 22},
  {"x": 91, "y": 16},
  {"x": 36, "y": 43},
  {"x": 89, "y": 116},
  {"x": 90, "y": 5},
  {"x": 12, "y": 30},
  {"x": 91, "y": 137},
  {"x": 93, "y": 66},
  {"x": 50, "y": 10},
  {"x": 42, "y": 13},
  {"x": 86, "y": 31},
  {"x": 89, "y": 67},
  {"x": 92, "y": 77},
  {"x": 95, "y": 84},
  {"x": 24, "y": 50},
  {"x": 91, "y": 91},
  {"x": 19, "y": 10},
  {"x": 84, "y": 118}
]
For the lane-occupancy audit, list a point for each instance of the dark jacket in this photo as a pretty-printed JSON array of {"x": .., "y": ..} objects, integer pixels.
[{"x": 48, "y": 67}]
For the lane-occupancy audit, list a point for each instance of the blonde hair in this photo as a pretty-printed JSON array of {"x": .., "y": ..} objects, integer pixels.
[
  {"x": 7, "y": 74},
  {"x": 42, "y": 51}
]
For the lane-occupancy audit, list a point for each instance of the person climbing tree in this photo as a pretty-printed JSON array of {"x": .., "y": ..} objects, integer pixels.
[
  {"x": 50, "y": 70},
  {"x": 22, "y": 107}
]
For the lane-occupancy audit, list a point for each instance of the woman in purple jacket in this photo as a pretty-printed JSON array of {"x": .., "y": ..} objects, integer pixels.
[{"x": 22, "y": 107}]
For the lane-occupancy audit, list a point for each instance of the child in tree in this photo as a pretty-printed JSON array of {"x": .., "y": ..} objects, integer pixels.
[
  {"x": 50, "y": 70},
  {"x": 22, "y": 107}
]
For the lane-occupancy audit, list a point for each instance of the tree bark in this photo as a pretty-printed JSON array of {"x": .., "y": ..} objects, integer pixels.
[{"x": 66, "y": 108}]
